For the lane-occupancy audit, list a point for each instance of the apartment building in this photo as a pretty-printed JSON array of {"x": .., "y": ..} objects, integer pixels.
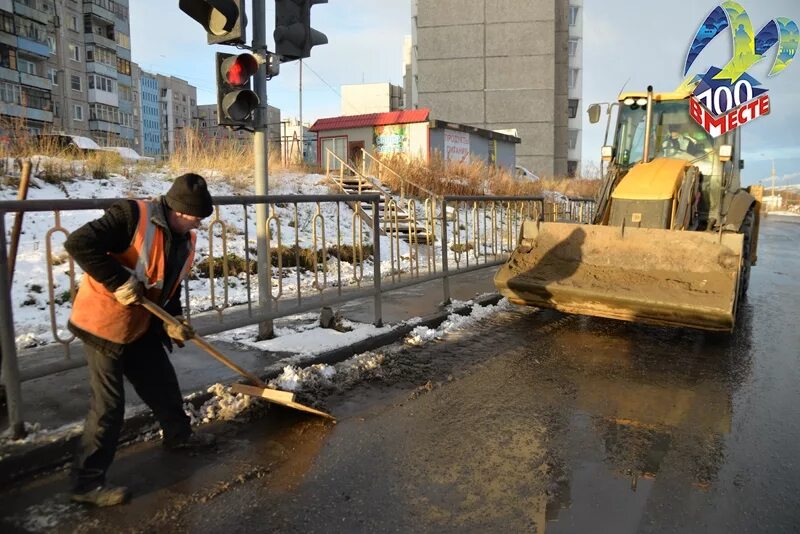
[
  {"x": 208, "y": 129},
  {"x": 497, "y": 66},
  {"x": 26, "y": 44},
  {"x": 575, "y": 87},
  {"x": 65, "y": 65},
  {"x": 178, "y": 99}
]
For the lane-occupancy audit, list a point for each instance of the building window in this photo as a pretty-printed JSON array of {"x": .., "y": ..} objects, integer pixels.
[
  {"x": 573, "y": 47},
  {"x": 9, "y": 93},
  {"x": 124, "y": 66},
  {"x": 572, "y": 168},
  {"x": 7, "y": 23},
  {"x": 573, "y": 107},
  {"x": 28, "y": 67},
  {"x": 102, "y": 112},
  {"x": 56, "y": 110},
  {"x": 573, "y": 77},
  {"x": 36, "y": 98},
  {"x": 75, "y": 82},
  {"x": 72, "y": 23},
  {"x": 573, "y": 138},
  {"x": 77, "y": 112},
  {"x": 8, "y": 57},
  {"x": 30, "y": 29},
  {"x": 51, "y": 44},
  {"x": 573, "y": 15},
  {"x": 74, "y": 52},
  {"x": 101, "y": 83},
  {"x": 101, "y": 55},
  {"x": 122, "y": 40},
  {"x": 53, "y": 75}
]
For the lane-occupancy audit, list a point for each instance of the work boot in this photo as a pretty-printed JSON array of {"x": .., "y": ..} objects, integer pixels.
[
  {"x": 195, "y": 441},
  {"x": 102, "y": 495}
]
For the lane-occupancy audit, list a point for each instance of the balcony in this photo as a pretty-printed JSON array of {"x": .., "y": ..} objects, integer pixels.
[
  {"x": 32, "y": 80},
  {"x": 90, "y": 8},
  {"x": 104, "y": 126},
  {"x": 15, "y": 110},
  {"x": 101, "y": 68},
  {"x": 100, "y": 40},
  {"x": 41, "y": 17},
  {"x": 8, "y": 39},
  {"x": 9, "y": 75},
  {"x": 34, "y": 47},
  {"x": 103, "y": 97}
]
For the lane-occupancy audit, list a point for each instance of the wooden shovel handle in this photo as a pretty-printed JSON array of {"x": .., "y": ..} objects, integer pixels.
[{"x": 162, "y": 314}]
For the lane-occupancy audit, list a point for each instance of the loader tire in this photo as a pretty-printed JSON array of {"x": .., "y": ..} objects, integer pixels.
[{"x": 747, "y": 231}]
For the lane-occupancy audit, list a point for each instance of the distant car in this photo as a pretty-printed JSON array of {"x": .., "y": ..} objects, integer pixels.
[
  {"x": 521, "y": 173},
  {"x": 127, "y": 154},
  {"x": 66, "y": 142}
]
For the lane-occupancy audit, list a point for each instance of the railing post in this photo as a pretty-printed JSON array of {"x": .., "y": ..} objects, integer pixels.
[
  {"x": 445, "y": 268},
  {"x": 8, "y": 348},
  {"x": 376, "y": 263}
]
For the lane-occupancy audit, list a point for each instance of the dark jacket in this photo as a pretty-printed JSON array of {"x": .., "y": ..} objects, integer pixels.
[{"x": 91, "y": 244}]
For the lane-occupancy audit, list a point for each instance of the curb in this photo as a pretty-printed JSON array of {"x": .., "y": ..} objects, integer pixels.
[{"x": 36, "y": 459}]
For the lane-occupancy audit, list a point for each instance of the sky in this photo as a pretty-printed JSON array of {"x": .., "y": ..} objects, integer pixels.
[{"x": 631, "y": 44}]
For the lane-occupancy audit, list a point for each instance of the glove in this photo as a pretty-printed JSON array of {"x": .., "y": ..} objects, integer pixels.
[
  {"x": 130, "y": 292},
  {"x": 179, "y": 332}
]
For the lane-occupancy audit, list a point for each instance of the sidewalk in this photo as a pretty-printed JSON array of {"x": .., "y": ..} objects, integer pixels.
[{"x": 62, "y": 399}]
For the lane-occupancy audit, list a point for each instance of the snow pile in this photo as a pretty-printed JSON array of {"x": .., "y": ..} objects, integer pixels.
[
  {"x": 352, "y": 370},
  {"x": 34, "y": 433},
  {"x": 224, "y": 405},
  {"x": 46, "y": 516},
  {"x": 304, "y": 337},
  {"x": 294, "y": 378},
  {"x": 422, "y": 334}
]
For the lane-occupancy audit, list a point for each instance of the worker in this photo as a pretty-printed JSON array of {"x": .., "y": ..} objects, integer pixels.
[
  {"x": 679, "y": 142},
  {"x": 137, "y": 248}
]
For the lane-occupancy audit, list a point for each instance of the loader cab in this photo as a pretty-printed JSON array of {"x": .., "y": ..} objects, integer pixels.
[{"x": 674, "y": 135}]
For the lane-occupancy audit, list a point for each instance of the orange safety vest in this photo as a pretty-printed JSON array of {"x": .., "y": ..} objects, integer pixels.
[{"x": 95, "y": 309}]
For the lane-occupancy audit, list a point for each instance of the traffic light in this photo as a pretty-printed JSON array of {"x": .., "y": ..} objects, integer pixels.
[
  {"x": 235, "y": 100},
  {"x": 223, "y": 20},
  {"x": 293, "y": 34}
]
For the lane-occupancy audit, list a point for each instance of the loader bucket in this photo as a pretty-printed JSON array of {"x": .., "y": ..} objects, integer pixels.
[{"x": 646, "y": 275}]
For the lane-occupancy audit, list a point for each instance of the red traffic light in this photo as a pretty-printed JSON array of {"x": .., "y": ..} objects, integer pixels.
[{"x": 237, "y": 70}]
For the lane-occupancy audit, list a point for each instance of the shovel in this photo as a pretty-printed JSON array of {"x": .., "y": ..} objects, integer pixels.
[{"x": 284, "y": 398}]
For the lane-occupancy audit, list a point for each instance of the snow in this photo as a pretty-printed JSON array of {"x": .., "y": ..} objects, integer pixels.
[{"x": 304, "y": 339}]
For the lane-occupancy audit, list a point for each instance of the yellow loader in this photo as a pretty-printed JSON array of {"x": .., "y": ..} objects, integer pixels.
[{"x": 673, "y": 236}]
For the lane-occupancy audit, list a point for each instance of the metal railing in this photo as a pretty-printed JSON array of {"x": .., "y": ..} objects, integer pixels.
[
  {"x": 383, "y": 168},
  {"x": 311, "y": 262}
]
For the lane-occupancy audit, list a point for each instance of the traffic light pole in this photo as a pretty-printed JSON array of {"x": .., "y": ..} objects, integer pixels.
[{"x": 261, "y": 151}]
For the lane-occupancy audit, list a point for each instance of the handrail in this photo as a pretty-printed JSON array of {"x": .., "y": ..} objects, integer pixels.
[
  {"x": 402, "y": 179},
  {"x": 387, "y": 197}
]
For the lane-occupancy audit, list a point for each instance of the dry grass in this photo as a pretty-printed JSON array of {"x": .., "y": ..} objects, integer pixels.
[
  {"x": 230, "y": 160},
  {"x": 475, "y": 178}
]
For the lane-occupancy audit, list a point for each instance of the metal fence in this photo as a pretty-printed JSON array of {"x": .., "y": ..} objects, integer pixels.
[{"x": 312, "y": 263}]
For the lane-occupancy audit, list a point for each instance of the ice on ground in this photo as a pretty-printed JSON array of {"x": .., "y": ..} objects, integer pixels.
[
  {"x": 224, "y": 405},
  {"x": 422, "y": 334},
  {"x": 46, "y": 516}
]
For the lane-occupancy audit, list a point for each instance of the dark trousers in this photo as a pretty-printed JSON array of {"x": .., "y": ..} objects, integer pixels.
[{"x": 146, "y": 365}]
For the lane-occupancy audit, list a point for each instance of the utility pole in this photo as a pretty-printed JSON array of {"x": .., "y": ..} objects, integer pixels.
[
  {"x": 302, "y": 129},
  {"x": 261, "y": 151}
]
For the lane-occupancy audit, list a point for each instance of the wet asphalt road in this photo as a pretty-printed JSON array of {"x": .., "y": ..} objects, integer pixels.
[{"x": 529, "y": 421}]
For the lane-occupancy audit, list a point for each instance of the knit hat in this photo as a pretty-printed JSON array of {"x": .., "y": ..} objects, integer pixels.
[{"x": 189, "y": 195}]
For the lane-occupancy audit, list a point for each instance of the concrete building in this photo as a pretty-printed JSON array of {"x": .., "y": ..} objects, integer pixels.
[
  {"x": 26, "y": 43},
  {"x": 178, "y": 99},
  {"x": 575, "y": 87},
  {"x": 150, "y": 113},
  {"x": 208, "y": 128},
  {"x": 497, "y": 65},
  {"x": 366, "y": 98},
  {"x": 65, "y": 66}
]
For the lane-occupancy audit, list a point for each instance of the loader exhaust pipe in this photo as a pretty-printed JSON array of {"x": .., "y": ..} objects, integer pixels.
[{"x": 647, "y": 124}]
